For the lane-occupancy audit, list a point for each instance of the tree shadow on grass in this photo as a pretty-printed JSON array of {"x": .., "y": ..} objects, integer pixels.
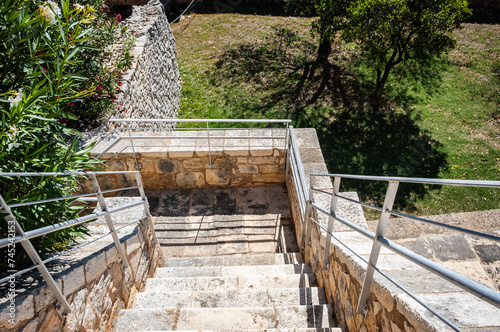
[
  {"x": 280, "y": 79},
  {"x": 385, "y": 143}
]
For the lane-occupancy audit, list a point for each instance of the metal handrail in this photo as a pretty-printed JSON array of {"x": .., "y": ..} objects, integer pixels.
[
  {"x": 379, "y": 239},
  {"x": 451, "y": 182},
  {"x": 204, "y": 120},
  {"x": 19, "y": 235}
]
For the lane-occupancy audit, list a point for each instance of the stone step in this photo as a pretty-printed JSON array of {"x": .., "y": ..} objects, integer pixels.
[
  {"x": 222, "y": 271},
  {"x": 230, "y": 283},
  {"x": 320, "y": 329},
  {"x": 236, "y": 260},
  {"x": 244, "y": 298},
  {"x": 306, "y": 316}
]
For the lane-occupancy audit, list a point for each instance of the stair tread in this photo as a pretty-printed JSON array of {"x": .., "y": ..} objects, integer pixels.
[
  {"x": 216, "y": 271},
  {"x": 319, "y": 329},
  {"x": 230, "y": 282},
  {"x": 302, "y": 316},
  {"x": 232, "y": 298}
]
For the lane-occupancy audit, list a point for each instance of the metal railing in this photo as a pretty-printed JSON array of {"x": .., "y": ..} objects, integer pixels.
[
  {"x": 305, "y": 194},
  {"x": 17, "y": 234},
  {"x": 209, "y": 133}
]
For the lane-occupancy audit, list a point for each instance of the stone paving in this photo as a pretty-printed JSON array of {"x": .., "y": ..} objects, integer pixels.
[
  {"x": 474, "y": 257},
  {"x": 222, "y": 221}
]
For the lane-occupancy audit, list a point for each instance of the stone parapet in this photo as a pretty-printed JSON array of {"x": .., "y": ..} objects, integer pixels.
[{"x": 182, "y": 160}]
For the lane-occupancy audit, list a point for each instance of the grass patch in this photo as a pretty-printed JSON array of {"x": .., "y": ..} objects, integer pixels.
[{"x": 440, "y": 119}]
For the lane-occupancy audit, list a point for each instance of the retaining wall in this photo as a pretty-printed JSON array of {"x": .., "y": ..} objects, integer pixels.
[
  {"x": 151, "y": 89},
  {"x": 388, "y": 308},
  {"x": 94, "y": 282}
]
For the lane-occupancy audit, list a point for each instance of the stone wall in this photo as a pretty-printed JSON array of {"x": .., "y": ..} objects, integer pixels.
[
  {"x": 184, "y": 163},
  {"x": 388, "y": 308},
  {"x": 151, "y": 89},
  {"x": 94, "y": 282}
]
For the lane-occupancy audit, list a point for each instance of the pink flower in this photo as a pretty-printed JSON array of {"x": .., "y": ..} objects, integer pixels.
[
  {"x": 99, "y": 87},
  {"x": 39, "y": 52},
  {"x": 71, "y": 104},
  {"x": 45, "y": 70},
  {"x": 119, "y": 83},
  {"x": 119, "y": 17}
]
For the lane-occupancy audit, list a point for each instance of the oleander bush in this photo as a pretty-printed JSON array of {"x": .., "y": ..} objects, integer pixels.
[{"x": 55, "y": 76}]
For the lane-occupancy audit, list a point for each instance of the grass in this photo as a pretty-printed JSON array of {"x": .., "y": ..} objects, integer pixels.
[{"x": 440, "y": 120}]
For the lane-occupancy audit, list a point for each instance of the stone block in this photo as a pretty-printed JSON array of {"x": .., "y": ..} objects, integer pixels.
[
  {"x": 261, "y": 151},
  {"x": 168, "y": 165},
  {"x": 453, "y": 247},
  {"x": 180, "y": 152},
  {"x": 263, "y": 160},
  {"x": 126, "y": 180},
  {"x": 74, "y": 319},
  {"x": 472, "y": 270},
  {"x": 158, "y": 181},
  {"x": 131, "y": 244},
  {"x": 269, "y": 178},
  {"x": 190, "y": 179},
  {"x": 218, "y": 177},
  {"x": 269, "y": 169},
  {"x": 107, "y": 182},
  {"x": 23, "y": 311},
  {"x": 117, "y": 164},
  {"x": 147, "y": 164},
  {"x": 95, "y": 267},
  {"x": 246, "y": 169},
  {"x": 225, "y": 162},
  {"x": 31, "y": 326},
  {"x": 241, "y": 180},
  {"x": 195, "y": 164},
  {"x": 307, "y": 138},
  {"x": 51, "y": 322},
  {"x": 73, "y": 279},
  {"x": 311, "y": 156},
  {"x": 44, "y": 296}
]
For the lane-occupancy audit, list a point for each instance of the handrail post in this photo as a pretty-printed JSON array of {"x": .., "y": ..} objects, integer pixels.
[
  {"x": 288, "y": 154},
  {"x": 331, "y": 219},
  {"x": 146, "y": 208},
  {"x": 390, "y": 196},
  {"x": 285, "y": 151},
  {"x": 109, "y": 221},
  {"x": 210, "y": 164},
  {"x": 307, "y": 223},
  {"x": 35, "y": 258},
  {"x": 137, "y": 165}
]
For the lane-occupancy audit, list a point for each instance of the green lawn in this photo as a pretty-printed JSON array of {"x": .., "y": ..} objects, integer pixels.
[{"x": 440, "y": 121}]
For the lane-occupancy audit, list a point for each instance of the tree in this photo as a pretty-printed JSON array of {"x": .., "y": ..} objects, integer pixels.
[
  {"x": 391, "y": 31},
  {"x": 332, "y": 19}
]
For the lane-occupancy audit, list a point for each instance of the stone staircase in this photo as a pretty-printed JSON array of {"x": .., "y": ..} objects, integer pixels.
[
  {"x": 223, "y": 272},
  {"x": 237, "y": 292}
]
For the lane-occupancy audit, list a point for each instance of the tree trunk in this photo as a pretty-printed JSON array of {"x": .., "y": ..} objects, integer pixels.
[
  {"x": 324, "y": 50},
  {"x": 377, "y": 96}
]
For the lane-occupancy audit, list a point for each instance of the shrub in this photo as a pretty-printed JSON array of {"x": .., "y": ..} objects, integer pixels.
[{"x": 52, "y": 70}]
